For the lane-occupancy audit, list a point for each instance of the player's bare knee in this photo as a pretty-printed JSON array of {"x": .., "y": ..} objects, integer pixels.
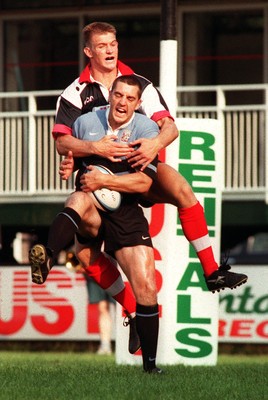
[
  {"x": 146, "y": 294},
  {"x": 87, "y": 257},
  {"x": 77, "y": 200},
  {"x": 186, "y": 196}
]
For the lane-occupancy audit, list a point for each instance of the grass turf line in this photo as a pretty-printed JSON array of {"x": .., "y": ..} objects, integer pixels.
[{"x": 64, "y": 376}]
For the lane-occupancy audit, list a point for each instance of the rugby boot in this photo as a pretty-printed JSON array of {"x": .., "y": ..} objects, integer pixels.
[
  {"x": 40, "y": 263},
  {"x": 134, "y": 340},
  {"x": 222, "y": 278},
  {"x": 154, "y": 370}
]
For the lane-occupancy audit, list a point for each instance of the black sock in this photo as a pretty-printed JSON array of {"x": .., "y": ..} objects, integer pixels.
[
  {"x": 62, "y": 231},
  {"x": 147, "y": 327}
]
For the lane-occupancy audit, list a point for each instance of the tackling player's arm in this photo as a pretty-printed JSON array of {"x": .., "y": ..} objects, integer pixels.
[
  {"x": 67, "y": 166},
  {"x": 149, "y": 148},
  {"x": 154, "y": 107},
  {"x": 106, "y": 147},
  {"x": 168, "y": 132}
]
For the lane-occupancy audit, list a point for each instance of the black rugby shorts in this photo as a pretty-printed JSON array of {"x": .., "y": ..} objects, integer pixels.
[{"x": 126, "y": 227}]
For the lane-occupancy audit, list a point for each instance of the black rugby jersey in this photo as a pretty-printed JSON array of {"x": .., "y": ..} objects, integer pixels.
[{"x": 82, "y": 95}]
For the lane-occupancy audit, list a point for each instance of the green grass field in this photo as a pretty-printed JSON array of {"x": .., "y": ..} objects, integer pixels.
[{"x": 79, "y": 376}]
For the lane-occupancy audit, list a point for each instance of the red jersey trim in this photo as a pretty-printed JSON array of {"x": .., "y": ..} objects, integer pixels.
[
  {"x": 161, "y": 114},
  {"x": 60, "y": 129},
  {"x": 122, "y": 68}
]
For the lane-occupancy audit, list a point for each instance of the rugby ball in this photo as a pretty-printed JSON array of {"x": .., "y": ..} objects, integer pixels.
[{"x": 106, "y": 199}]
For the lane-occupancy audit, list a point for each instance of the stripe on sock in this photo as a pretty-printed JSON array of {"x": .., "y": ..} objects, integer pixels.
[
  {"x": 146, "y": 315},
  {"x": 116, "y": 287},
  {"x": 201, "y": 243},
  {"x": 68, "y": 216}
]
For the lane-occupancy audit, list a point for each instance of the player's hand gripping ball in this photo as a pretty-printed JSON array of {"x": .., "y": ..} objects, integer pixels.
[{"x": 106, "y": 199}]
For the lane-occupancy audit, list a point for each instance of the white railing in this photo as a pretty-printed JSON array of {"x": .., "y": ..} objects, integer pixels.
[
  {"x": 29, "y": 162},
  {"x": 246, "y": 133}
]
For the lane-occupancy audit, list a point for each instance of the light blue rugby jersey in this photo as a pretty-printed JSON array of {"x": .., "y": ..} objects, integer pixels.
[{"x": 93, "y": 126}]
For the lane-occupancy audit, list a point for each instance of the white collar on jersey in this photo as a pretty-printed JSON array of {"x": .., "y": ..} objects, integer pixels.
[
  {"x": 110, "y": 131},
  {"x": 103, "y": 88}
]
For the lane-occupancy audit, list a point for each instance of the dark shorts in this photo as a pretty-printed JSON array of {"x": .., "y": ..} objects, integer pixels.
[
  {"x": 126, "y": 227},
  {"x": 96, "y": 293}
]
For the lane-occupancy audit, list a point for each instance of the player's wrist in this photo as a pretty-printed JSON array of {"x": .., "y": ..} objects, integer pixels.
[
  {"x": 158, "y": 143},
  {"x": 92, "y": 148}
]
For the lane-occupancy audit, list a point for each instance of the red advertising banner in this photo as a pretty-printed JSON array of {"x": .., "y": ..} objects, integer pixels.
[
  {"x": 244, "y": 311},
  {"x": 58, "y": 309}
]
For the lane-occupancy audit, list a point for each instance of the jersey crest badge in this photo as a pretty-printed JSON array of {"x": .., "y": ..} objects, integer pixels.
[{"x": 125, "y": 135}]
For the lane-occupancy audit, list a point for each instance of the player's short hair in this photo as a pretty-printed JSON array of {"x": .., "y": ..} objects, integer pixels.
[
  {"x": 96, "y": 27},
  {"x": 131, "y": 80}
]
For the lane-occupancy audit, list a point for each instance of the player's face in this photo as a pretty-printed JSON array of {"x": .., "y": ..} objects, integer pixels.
[
  {"x": 124, "y": 100},
  {"x": 103, "y": 52}
]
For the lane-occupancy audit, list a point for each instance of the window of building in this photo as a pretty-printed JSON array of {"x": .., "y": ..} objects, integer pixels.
[
  {"x": 223, "y": 48},
  {"x": 40, "y": 54},
  {"x": 44, "y": 54},
  {"x": 39, "y": 4}
]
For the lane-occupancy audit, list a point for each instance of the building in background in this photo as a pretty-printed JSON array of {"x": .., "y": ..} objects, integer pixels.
[{"x": 224, "y": 43}]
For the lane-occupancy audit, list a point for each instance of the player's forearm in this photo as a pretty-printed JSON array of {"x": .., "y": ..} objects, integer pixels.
[
  {"x": 79, "y": 148},
  {"x": 168, "y": 133},
  {"x": 137, "y": 182}
]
